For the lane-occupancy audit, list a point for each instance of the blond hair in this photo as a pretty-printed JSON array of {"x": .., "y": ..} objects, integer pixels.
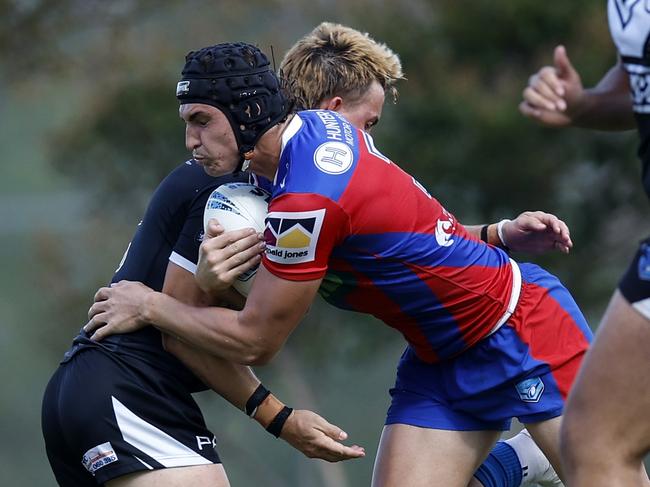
[{"x": 335, "y": 60}]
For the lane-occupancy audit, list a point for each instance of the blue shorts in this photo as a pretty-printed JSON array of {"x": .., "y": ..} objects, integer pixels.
[
  {"x": 524, "y": 370},
  {"x": 635, "y": 283}
]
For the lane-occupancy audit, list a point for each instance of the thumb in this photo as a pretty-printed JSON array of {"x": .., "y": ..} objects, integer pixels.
[
  {"x": 214, "y": 229},
  {"x": 562, "y": 63}
]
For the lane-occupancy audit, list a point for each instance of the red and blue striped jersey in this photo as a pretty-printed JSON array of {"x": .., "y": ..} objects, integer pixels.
[{"x": 342, "y": 211}]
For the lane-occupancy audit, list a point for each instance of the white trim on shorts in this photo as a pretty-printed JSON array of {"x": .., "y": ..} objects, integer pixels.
[
  {"x": 154, "y": 442},
  {"x": 514, "y": 297}
]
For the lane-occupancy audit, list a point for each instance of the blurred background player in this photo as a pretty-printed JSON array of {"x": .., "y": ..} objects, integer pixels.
[
  {"x": 279, "y": 298},
  {"x": 137, "y": 418},
  {"x": 605, "y": 438}
]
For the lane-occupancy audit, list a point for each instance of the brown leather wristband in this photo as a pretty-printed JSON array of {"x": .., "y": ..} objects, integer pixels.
[{"x": 268, "y": 410}]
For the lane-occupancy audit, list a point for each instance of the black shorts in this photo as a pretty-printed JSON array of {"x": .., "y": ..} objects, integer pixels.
[
  {"x": 104, "y": 416},
  {"x": 635, "y": 283}
]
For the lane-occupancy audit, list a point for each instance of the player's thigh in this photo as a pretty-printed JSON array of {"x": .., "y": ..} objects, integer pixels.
[
  {"x": 423, "y": 457},
  {"x": 197, "y": 476},
  {"x": 611, "y": 398}
]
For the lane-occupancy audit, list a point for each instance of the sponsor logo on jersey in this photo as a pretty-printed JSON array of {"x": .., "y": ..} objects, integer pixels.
[
  {"x": 644, "y": 263},
  {"x": 99, "y": 457},
  {"x": 336, "y": 127},
  {"x": 202, "y": 441},
  {"x": 291, "y": 237},
  {"x": 333, "y": 157},
  {"x": 182, "y": 87},
  {"x": 445, "y": 229},
  {"x": 530, "y": 390}
]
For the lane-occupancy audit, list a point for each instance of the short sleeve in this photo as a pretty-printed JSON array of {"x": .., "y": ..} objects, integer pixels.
[
  {"x": 301, "y": 231},
  {"x": 185, "y": 252}
]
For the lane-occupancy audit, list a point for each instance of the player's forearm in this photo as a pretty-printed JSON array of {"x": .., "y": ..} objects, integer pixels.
[
  {"x": 234, "y": 382},
  {"x": 608, "y": 105},
  {"x": 218, "y": 331}
]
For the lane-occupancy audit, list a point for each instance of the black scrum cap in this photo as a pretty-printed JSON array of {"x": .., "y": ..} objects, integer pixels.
[{"x": 237, "y": 79}]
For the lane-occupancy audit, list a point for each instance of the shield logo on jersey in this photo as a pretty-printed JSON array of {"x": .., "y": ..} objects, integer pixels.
[
  {"x": 530, "y": 390},
  {"x": 291, "y": 237},
  {"x": 445, "y": 229}
]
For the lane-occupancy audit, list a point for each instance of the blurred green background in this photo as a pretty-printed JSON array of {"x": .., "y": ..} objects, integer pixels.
[{"x": 89, "y": 126}]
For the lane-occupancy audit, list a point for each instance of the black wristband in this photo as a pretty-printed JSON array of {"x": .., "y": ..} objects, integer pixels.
[
  {"x": 484, "y": 233},
  {"x": 275, "y": 426},
  {"x": 256, "y": 399}
]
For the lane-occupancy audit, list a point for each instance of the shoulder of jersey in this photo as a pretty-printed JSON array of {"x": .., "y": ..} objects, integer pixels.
[{"x": 319, "y": 149}]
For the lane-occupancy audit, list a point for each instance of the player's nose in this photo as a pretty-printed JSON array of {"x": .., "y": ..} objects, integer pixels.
[{"x": 192, "y": 140}]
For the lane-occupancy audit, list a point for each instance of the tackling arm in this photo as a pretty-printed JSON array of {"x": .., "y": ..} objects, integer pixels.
[
  {"x": 250, "y": 336},
  {"x": 232, "y": 381},
  {"x": 304, "y": 430}
]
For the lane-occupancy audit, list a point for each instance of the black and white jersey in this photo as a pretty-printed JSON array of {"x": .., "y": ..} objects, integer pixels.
[
  {"x": 171, "y": 230},
  {"x": 629, "y": 24}
]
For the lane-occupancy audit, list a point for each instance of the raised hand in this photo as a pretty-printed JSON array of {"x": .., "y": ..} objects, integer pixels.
[{"x": 554, "y": 94}]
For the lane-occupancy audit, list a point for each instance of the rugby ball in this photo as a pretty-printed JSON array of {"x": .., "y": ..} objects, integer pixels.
[{"x": 237, "y": 206}]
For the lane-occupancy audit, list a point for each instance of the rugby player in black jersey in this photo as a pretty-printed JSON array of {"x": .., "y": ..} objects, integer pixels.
[{"x": 120, "y": 412}]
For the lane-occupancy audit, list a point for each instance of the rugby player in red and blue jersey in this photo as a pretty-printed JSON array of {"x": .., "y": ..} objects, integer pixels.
[{"x": 488, "y": 339}]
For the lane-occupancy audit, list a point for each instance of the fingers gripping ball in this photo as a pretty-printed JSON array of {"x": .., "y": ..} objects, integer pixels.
[{"x": 237, "y": 206}]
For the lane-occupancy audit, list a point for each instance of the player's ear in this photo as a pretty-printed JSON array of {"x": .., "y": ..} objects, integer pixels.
[{"x": 333, "y": 103}]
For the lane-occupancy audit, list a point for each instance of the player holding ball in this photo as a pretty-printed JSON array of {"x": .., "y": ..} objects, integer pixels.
[{"x": 489, "y": 338}]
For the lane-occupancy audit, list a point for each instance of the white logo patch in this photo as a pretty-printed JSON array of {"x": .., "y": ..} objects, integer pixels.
[
  {"x": 182, "y": 87},
  {"x": 333, "y": 157},
  {"x": 99, "y": 457},
  {"x": 445, "y": 229},
  {"x": 291, "y": 237}
]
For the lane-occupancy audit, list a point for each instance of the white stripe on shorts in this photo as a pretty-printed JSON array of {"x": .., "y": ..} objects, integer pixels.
[{"x": 154, "y": 442}]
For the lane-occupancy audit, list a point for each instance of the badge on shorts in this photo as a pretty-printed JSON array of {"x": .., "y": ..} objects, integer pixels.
[
  {"x": 644, "y": 262},
  {"x": 530, "y": 390},
  {"x": 99, "y": 457}
]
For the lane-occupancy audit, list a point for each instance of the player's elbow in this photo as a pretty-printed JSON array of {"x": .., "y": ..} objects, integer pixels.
[
  {"x": 259, "y": 351},
  {"x": 262, "y": 358}
]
